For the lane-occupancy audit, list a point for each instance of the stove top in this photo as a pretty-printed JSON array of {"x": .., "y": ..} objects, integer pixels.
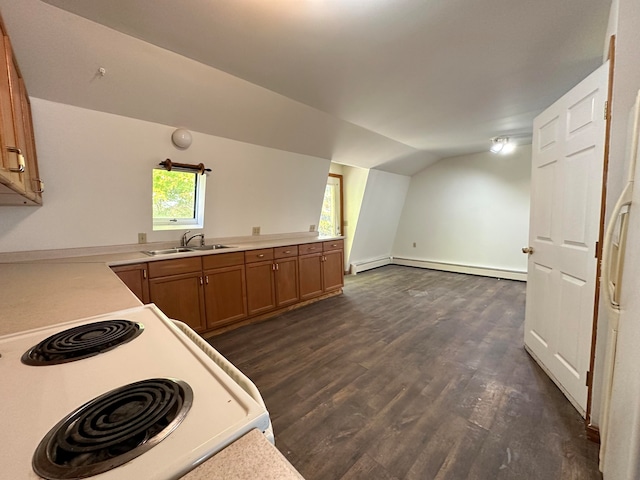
[
  {"x": 113, "y": 429},
  {"x": 82, "y": 342},
  {"x": 90, "y": 396}
]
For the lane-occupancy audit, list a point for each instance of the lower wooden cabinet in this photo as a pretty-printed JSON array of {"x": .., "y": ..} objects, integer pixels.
[
  {"x": 332, "y": 270},
  {"x": 310, "y": 275},
  {"x": 225, "y": 289},
  {"x": 181, "y": 297},
  {"x": 286, "y": 281},
  {"x": 225, "y": 295},
  {"x": 261, "y": 292},
  {"x": 177, "y": 288},
  {"x": 213, "y": 291},
  {"x": 135, "y": 277},
  {"x": 321, "y": 272}
]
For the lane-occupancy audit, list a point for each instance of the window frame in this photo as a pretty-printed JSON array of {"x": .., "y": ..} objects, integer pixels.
[{"x": 197, "y": 221}]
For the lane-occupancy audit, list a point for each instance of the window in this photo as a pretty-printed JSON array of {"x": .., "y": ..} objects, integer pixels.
[
  {"x": 178, "y": 199},
  {"x": 330, "y": 223}
]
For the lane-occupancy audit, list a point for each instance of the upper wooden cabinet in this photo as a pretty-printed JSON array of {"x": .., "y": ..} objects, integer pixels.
[{"x": 20, "y": 183}]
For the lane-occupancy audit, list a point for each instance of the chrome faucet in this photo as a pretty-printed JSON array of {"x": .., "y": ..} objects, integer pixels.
[{"x": 184, "y": 242}]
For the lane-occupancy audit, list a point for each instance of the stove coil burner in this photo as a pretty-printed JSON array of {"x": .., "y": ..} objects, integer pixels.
[
  {"x": 82, "y": 342},
  {"x": 113, "y": 429}
]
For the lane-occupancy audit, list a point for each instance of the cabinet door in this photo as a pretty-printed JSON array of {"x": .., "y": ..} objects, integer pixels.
[
  {"x": 261, "y": 295},
  {"x": 135, "y": 278},
  {"x": 8, "y": 160},
  {"x": 333, "y": 271},
  {"x": 287, "y": 281},
  {"x": 310, "y": 272},
  {"x": 225, "y": 295},
  {"x": 34, "y": 185},
  {"x": 180, "y": 297}
]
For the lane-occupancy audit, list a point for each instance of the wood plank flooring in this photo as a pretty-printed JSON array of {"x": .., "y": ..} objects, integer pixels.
[{"x": 412, "y": 374}]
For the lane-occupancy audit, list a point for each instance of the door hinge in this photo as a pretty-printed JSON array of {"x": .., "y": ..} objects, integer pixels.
[
  {"x": 588, "y": 379},
  {"x": 606, "y": 109},
  {"x": 597, "y": 252}
]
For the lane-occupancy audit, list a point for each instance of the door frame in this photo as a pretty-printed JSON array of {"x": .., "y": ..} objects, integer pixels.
[
  {"x": 340, "y": 178},
  {"x": 592, "y": 431}
]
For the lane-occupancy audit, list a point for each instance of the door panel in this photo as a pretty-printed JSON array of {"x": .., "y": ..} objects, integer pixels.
[{"x": 566, "y": 187}]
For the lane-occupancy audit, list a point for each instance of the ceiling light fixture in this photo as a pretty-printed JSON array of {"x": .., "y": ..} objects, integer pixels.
[
  {"x": 181, "y": 138},
  {"x": 501, "y": 145}
]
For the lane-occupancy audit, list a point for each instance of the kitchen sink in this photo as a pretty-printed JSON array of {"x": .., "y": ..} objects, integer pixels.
[
  {"x": 210, "y": 247},
  {"x": 169, "y": 251}
]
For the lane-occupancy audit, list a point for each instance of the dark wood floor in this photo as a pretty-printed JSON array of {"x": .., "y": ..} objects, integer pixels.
[{"x": 412, "y": 374}]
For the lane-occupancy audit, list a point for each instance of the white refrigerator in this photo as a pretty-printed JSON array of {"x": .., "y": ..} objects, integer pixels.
[{"x": 620, "y": 411}]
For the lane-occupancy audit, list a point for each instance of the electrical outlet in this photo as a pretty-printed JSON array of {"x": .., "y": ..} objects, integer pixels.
[
  {"x": 312, "y": 228},
  {"x": 256, "y": 231},
  {"x": 414, "y": 244},
  {"x": 142, "y": 238}
]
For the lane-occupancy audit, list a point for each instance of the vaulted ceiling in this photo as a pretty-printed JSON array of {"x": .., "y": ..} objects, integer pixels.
[{"x": 428, "y": 78}]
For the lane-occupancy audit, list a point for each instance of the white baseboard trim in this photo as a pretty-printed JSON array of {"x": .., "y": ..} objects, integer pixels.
[
  {"x": 456, "y": 268},
  {"x": 364, "y": 265}
]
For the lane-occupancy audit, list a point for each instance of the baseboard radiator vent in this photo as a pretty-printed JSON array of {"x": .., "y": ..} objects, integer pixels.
[
  {"x": 457, "y": 268},
  {"x": 364, "y": 265}
]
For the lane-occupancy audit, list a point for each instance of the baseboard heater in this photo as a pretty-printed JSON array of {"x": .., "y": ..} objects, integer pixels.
[
  {"x": 364, "y": 265},
  {"x": 458, "y": 268}
]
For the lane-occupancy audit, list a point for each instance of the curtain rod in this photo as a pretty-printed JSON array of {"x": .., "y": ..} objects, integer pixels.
[{"x": 168, "y": 164}]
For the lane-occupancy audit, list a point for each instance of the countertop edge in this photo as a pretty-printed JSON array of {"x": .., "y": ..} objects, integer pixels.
[{"x": 127, "y": 254}]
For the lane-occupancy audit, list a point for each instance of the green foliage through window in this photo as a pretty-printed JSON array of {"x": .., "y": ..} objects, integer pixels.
[{"x": 174, "y": 194}]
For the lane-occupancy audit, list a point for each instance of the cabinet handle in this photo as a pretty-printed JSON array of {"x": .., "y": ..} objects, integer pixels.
[
  {"x": 287, "y": 251},
  {"x": 201, "y": 282},
  {"x": 20, "y": 168},
  {"x": 40, "y": 187},
  {"x": 312, "y": 248},
  {"x": 277, "y": 266},
  {"x": 273, "y": 267},
  {"x": 334, "y": 245},
  {"x": 206, "y": 279},
  {"x": 261, "y": 255},
  {"x": 144, "y": 273}
]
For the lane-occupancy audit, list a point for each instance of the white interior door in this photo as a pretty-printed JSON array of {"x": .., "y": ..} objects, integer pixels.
[{"x": 566, "y": 188}]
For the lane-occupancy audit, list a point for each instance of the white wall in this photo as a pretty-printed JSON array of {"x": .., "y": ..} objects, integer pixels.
[
  {"x": 382, "y": 203},
  {"x": 97, "y": 171},
  {"x": 471, "y": 210}
]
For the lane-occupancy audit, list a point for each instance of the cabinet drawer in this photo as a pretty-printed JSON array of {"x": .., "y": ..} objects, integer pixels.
[
  {"x": 221, "y": 260},
  {"x": 164, "y": 268},
  {"x": 333, "y": 245},
  {"x": 310, "y": 248},
  {"x": 258, "y": 255},
  {"x": 284, "y": 252}
]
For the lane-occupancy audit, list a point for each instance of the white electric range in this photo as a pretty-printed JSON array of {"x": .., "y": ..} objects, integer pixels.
[{"x": 162, "y": 370}]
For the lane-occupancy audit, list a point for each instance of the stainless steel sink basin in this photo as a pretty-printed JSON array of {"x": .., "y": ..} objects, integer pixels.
[
  {"x": 169, "y": 251},
  {"x": 210, "y": 247}
]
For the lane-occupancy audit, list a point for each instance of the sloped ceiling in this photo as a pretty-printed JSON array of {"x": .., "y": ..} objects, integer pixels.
[{"x": 394, "y": 84}]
